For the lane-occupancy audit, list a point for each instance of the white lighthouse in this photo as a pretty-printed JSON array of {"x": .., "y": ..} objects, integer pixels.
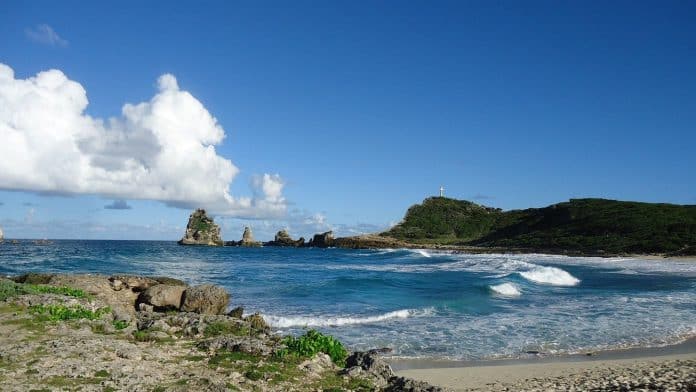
[{"x": 442, "y": 191}]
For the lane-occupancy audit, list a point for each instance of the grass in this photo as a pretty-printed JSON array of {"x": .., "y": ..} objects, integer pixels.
[
  {"x": 120, "y": 324},
  {"x": 148, "y": 336},
  {"x": 10, "y": 289},
  {"x": 218, "y": 328},
  {"x": 64, "y": 313},
  {"x": 312, "y": 343}
]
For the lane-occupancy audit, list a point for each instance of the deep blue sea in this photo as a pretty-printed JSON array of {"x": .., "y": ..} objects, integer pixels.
[{"x": 419, "y": 303}]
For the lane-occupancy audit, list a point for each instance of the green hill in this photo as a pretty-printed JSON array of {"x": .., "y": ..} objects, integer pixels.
[{"x": 579, "y": 225}]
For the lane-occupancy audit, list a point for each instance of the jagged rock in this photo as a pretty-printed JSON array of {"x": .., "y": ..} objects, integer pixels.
[
  {"x": 316, "y": 366},
  {"x": 282, "y": 238},
  {"x": 135, "y": 283},
  {"x": 248, "y": 239},
  {"x": 141, "y": 283},
  {"x": 205, "y": 299},
  {"x": 369, "y": 365},
  {"x": 257, "y": 322},
  {"x": 163, "y": 297},
  {"x": 323, "y": 240},
  {"x": 2, "y": 235},
  {"x": 33, "y": 278},
  {"x": 237, "y": 312},
  {"x": 201, "y": 230},
  {"x": 402, "y": 384}
]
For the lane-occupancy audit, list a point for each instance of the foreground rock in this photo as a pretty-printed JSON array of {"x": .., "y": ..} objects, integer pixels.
[
  {"x": 201, "y": 230},
  {"x": 71, "y": 338},
  {"x": 205, "y": 299}
]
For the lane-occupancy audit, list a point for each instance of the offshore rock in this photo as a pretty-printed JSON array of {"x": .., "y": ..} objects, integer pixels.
[
  {"x": 248, "y": 238},
  {"x": 323, "y": 240},
  {"x": 282, "y": 238},
  {"x": 2, "y": 236},
  {"x": 201, "y": 230}
]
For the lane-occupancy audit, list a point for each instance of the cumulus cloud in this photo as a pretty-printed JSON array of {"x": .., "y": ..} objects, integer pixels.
[
  {"x": 44, "y": 34},
  {"x": 118, "y": 205},
  {"x": 162, "y": 149}
]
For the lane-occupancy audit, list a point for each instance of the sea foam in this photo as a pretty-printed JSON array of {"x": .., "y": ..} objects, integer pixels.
[
  {"x": 550, "y": 275},
  {"x": 319, "y": 321},
  {"x": 506, "y": 289}
]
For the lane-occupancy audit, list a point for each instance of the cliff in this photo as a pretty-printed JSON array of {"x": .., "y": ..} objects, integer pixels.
[{"x": 201, "y": 230}]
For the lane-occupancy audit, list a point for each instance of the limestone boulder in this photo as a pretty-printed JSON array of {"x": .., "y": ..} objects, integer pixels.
[
  {"x": 163, "y": 297},
  {"x": 205, "y": 299}
]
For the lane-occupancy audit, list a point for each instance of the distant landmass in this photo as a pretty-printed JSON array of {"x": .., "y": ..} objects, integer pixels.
[{"x": 578, "y": 226}]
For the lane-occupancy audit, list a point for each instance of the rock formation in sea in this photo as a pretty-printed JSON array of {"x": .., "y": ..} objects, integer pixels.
[
  {"x": 2, "y": 236},
  {"x": 323, "y": 240},
  {"x": 248, "y": 239},
  {"x": 282, "y": 238},
  {"x": 201, "y": 230}
]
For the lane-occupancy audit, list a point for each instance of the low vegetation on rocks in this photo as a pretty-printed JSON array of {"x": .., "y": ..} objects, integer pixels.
[{"x": 101, "y": 333}]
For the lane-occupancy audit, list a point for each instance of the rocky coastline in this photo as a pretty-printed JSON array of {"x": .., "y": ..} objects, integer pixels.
[
  {"x": 137, "y": 333},
  {"x": 202, "y": 230}
]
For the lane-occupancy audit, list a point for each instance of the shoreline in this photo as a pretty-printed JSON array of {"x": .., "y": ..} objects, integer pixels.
[
  {"x": 551, "y": 372},
  {"x": 687, "y": 347},
  {"x": 355, "y": 244}
]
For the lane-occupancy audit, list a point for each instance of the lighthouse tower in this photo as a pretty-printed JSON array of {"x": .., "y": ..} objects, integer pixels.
[{"x": 442, "y": 191}]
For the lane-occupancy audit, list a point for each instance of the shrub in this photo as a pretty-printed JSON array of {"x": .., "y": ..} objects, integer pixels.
[
  {"x": 313, "y": 342},
  {"x": 120, "y": 324},
  {"x": 11, "y": 289},
  {"x": 63, "y": 313}
]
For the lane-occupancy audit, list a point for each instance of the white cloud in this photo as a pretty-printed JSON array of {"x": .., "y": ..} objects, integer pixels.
[
  {"x": 162, "y": 149},
  {"x": 44, "y": 34}
]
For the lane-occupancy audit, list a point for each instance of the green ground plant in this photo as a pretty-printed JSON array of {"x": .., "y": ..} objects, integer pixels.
[
  {"x": 312, "y": 343},
  {"x": 64, "y": 313},
  {"x": 10, "y": 289}
]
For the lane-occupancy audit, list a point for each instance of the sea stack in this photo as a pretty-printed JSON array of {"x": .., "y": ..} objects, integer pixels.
[
  {"x": 282, "y": 238},
  {"x": 2, "y": 236},
  {"x": 201, "y": 230},
  {"x": 248, "y": 238},
  {"x": 323, "y": 240}
]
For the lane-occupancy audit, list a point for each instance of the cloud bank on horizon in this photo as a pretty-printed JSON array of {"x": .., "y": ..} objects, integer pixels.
[{"x": 162, "y": 149}]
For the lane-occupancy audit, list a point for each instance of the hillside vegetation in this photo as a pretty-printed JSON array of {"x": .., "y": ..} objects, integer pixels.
[{"x": 579, "y": 225}]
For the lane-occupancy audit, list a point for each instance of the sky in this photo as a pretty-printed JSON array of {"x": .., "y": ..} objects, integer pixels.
[{"x": 117, "y": 119}]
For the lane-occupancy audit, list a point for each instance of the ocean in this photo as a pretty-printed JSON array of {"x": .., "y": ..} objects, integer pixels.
[{"x": 419, "y": 303}]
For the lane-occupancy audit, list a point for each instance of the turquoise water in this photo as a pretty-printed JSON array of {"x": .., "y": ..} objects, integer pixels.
[{"x": 419, "y": 303}]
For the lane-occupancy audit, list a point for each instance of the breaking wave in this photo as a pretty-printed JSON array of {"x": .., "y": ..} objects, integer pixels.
[
  {"x": 550, "y": 275},
  {"x": 506, "y": 289},
  {"x": 319, "y": 321}
]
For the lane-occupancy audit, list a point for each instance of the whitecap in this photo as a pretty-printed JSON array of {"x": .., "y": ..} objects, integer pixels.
[
  {"x": 422, "y": 252},
  {"x": 506, "y": 289},
  {"x": 550, "y": 275},
  {"x": 319, "y": 321}
]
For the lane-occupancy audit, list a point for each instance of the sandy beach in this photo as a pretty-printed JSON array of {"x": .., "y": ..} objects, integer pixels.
[{"x": 671, "y": 368}]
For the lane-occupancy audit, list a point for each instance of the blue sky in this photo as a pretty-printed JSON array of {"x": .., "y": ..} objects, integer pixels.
[{"x": 365, "y": 108}]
